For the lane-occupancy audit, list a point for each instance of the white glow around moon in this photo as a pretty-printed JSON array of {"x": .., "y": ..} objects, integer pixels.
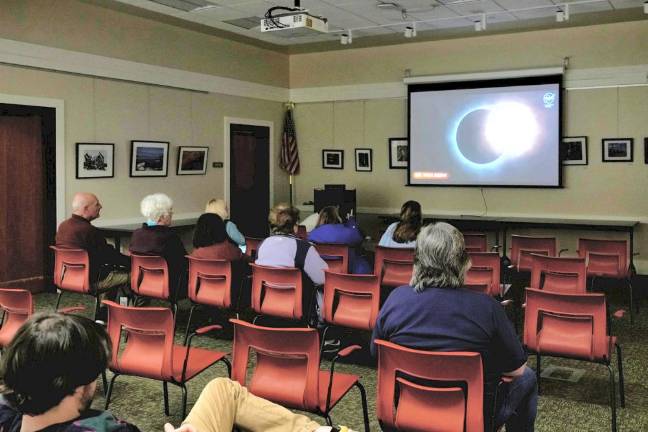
[{"x": 511, "y": 128}]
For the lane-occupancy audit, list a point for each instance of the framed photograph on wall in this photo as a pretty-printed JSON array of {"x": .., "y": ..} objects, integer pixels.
[
  {"x": 575, "y": 150},
  {"x": 149, "y": 158},
  {"x": 95, "y": 160},
  {"x": 192, "y": 160},
  {"x": 332, "y": 159},
  {"x": 363, "y": 159},
  {"x": 617, "y": 149},
  {"x": 398, "y": 153}
]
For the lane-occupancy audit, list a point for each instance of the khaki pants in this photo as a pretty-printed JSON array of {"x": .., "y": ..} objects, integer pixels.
[
  {"x": 112, "y": 282},
  {"x": 224, "y": 404}
]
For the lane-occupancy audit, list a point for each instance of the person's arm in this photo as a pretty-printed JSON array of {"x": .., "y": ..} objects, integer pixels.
[
  {"x": 314, "y": 266},
  {"x": 515, "y": 373},
  {"x": 508, "y": 345},
  {"x": 234, "y": 233}
]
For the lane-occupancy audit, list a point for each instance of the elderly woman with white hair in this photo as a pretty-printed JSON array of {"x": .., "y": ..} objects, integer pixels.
[
  {"x": 435, "y": 313},
  {"x": 155, "y": 237}
]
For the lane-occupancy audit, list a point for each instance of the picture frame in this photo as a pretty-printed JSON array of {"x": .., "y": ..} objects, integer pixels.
[
  {"x": 95, "y": 160},
  {"x": 149, "y": 158},
  {"x": 332, "y": 159},
  {"x": 398, "y": 153},
  {"x": 617, "y": 149},
  {"x": 192, "y": 160},
  {"x": 574, "y": 150},
  {"x": 363, "y": 159}
]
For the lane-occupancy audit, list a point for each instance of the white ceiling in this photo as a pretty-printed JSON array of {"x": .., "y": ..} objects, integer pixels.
[{"x": 366, "y": 19}]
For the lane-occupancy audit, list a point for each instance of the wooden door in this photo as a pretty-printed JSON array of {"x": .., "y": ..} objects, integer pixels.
[{"x": 250, "y": 178}]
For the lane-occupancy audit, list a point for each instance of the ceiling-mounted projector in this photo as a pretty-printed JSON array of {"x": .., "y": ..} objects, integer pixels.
[{"x": 295, "y": 19}]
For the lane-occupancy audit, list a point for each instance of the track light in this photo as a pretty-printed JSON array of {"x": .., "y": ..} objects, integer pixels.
[
  {"x": 563, "y": 13},
  {"x": 481, "y": 24},
  {"x": 410, "y": 31},
  {"x": 346, "y": 38}
]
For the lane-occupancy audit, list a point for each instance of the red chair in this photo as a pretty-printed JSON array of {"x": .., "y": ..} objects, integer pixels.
[
  {"x": 404, "y": 404},
  {"x": 278, "y": 291},
  {"x": 149, "y": 351},
  {"x": 210, "y": 284},
  {"x": 486, "y": 269},
  {"x": 523, "y": 246},
  {"x": 572, "y": 325},
  {"x": 72, "y": 274},
  {"x": 475, "y": 242},
  {"x": 558, "y": 274},
  {"x": 608, "y": 259},
  {"x": 252, "y": 246},
  {"x": 393, "y": 265},
  {"x": 335, "y": 255},
  {"x": 150, "y": 278},
  {"x": 17, "y": 306},
  {"x": 287, "y": 369}
]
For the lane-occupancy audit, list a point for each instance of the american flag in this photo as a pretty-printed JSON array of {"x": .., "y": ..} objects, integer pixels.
[{"x": 289, "y": 155}]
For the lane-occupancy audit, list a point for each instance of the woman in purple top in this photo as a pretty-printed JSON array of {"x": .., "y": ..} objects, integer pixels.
[{"x": 330, "y": 229}]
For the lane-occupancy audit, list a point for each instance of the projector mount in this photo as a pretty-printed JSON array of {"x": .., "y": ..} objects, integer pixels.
[{"x": 269, "y": 15}]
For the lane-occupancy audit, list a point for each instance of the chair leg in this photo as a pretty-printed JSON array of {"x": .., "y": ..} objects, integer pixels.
[
  {"x": 165, "y": 388},
  {"x": 110, "y": 389},
  {"x": 104, "y": 380},
  {"x": 621, "y": 380},
  {"x": 365, "y": 409},
  {"x": 323, "y": 337},
  {"x": 228, "y": 365},
  {"x": 329, "y": 422},
  {"x": 538, "y": 371},
  {"x": 632, "y": 311},
  {"x": 97, "y": 306},
  {"x": 191, "y": 311},
  {"x": 58, "y": 300},
  {"x": 612, "y": 398},
  {"x": 184, "y": 401}
]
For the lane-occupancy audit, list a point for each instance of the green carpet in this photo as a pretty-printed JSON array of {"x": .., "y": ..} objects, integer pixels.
[{"x": 563, "y": 406}]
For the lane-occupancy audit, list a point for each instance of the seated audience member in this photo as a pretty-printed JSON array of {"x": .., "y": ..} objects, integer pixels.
[
  {"x": 156, "y": 238},
  {"x": 78, "y": 233},
  {"x": 219, "y": 207},
  {"x": 284, "y": 249},
  {"x": 49, "y": 375},
  {"x": 402, "y": 234},
  {"x": 210, "y": 240},
  {"x": 330, "y": 229},
  {"x": 435, "y": 313}
]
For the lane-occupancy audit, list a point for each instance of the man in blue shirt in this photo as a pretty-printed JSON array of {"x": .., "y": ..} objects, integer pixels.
[{"x": 435, "y": 313}]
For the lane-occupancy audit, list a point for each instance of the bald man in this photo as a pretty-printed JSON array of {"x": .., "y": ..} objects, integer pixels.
[{"x": 78, "y": 233}]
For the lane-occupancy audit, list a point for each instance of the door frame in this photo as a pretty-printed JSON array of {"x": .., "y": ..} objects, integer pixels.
[
  {"x": 59, "y": 108},
  {"x": 226, "y": 154}
]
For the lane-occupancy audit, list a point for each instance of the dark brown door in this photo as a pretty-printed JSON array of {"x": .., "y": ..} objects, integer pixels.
[{"x": 250, "y": 178}]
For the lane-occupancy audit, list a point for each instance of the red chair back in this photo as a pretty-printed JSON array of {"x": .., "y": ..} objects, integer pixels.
[
  {"x": 252, "y": 246},
  {"x": 566, "y": 324},
  {"x": 560, "y": 274},
  {"x": 351, "y": 300},
  {"x": 287, "y": 363},
  {"x": 429, "y": 407},
  {"x": 607, "y": 258},
  {"x": 17, "y": 306},
  {"x": 150, "y": 276},
  {"x": 393, "y": 266},
  {"x": 277, "y": 291},
  {"x": 475, "y": 242},
  {"x": 479, "y": 279},
  {"x": 302, "y": 233},
  {"x": 148, "y": 350},
  {"x": 523, "y": 246},
  {"x": 335, "y": 255},
  {"x": 71, "y": 270},
  {"x": 480, "y": 263},
  {"x": 210, "y": 282}
]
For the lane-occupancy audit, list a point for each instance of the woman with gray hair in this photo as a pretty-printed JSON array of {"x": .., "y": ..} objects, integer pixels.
[
  {"x": 435, "y": 313},
  {"x": 155, "y": 237}
]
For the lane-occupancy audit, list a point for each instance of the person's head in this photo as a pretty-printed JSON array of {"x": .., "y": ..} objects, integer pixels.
[
  {"x": 54, "y": 359},
  {"x": 285, "y": 220},
  {"x": 440, "y": 259},
  {"x": 86, "y": 205},
  {"x": 410, "y": 222},
  {"x": 210, "y": 229},
  {"x": 329, "y": 215},
  {"x": 157, "y": 208},
  {"x": 272, "y": 216},
  {"x": 219, "y": 207}
]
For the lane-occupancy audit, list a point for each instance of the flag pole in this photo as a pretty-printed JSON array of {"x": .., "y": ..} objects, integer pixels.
[{"x": 290, "y": 181}]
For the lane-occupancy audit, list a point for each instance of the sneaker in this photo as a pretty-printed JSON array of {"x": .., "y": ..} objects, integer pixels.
[{"x": 331, "y": 345}]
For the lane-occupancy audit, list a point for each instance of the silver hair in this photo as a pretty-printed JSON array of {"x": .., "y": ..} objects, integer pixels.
[
  {"x": 155, "y": 206},
  {"x": 440, "y": 259}
]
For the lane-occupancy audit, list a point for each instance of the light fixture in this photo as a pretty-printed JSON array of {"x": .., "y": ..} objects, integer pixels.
[
  {"x": 410, "y": 31},
  {"x": 562, "y": 14},
  {"x": 346, "y": 38},
  {"x": 646, "y": 7},
  {"x": 481, "y": 24}
]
